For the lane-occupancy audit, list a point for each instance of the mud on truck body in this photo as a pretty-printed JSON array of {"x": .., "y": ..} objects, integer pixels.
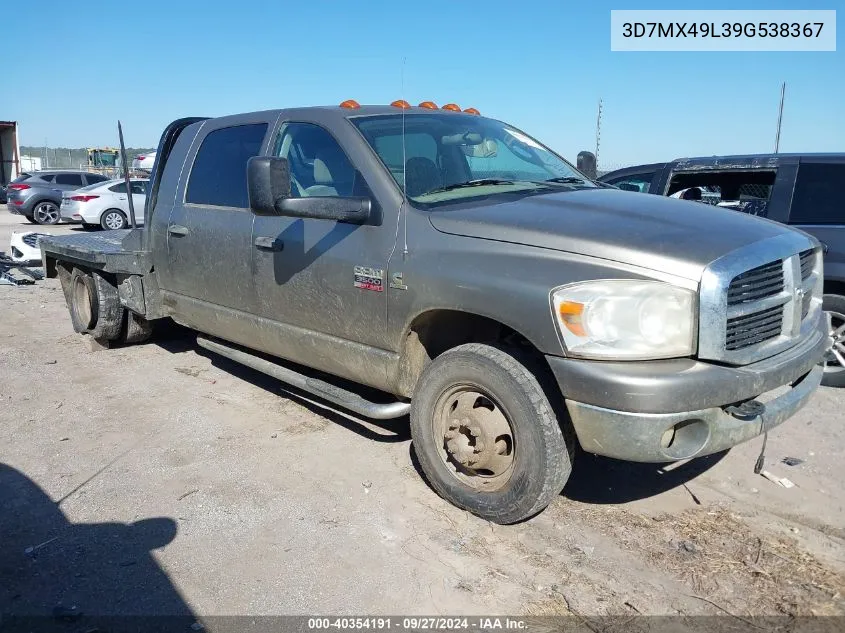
[{"x": 474, "y": 280}]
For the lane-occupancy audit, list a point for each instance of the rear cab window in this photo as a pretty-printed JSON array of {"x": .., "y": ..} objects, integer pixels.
[
  {"x": 69, "y": 179},
  {"x": 745, "y": 190},
  {"x": 218, "y": 175},
  {"x": 818, "y": 198}
]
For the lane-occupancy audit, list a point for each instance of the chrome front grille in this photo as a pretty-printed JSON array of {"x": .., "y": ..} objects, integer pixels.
[
  {"x": 757, "y": 283},
  {"x": 808, "y": 259},
  {"x": 758, "y": 301},
  {"x": 744, "y": 331}
]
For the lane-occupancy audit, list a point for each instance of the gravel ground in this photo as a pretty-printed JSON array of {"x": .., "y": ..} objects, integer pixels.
[{"x": 159, "y": 479}]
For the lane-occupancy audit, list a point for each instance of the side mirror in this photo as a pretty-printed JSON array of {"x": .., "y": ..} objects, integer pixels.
[
  {"x": 268, "y": 182},
  {"x": 348, "y": 210}
]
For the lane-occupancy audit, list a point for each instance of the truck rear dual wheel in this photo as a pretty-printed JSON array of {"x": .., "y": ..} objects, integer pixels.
[
  {"x": 486, "y": 434},
  {"x": 95, "y": 305}
]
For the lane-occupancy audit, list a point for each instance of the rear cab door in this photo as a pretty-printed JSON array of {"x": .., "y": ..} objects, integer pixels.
[
  {"x": 818, "y": 207},
  {"x": 207, "y": 282}
]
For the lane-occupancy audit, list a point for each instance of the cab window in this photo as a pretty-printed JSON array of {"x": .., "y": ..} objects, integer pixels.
[
  {"x": 633, "y": 182},
  {"x": 747, "y": 190},
  {"x": 318, "y": 165},
  {"x": 218, "y": 176},
  {"x": 817, "y": 198}
]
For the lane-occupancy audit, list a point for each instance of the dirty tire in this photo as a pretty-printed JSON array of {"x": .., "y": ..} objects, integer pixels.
[
  {"x": 834, "y": 370},
  {"x": 82, "y": 301},
  {"x": 542, "y": 457},
  {"x": 109, "y": 311},
  {"x": 137, "y": 329}
]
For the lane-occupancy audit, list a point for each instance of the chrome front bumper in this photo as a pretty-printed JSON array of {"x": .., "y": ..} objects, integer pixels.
[{"x": 662, "y": 437}]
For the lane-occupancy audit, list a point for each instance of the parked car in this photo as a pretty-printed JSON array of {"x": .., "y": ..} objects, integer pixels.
[
  {"x": 802, "y": 190},
  {"x": 3, "y": 198},
  {"x": 105, "y": 204},
  {"x": 144, "y": 162},
  {"x": 38, "y": 195},
  {"x": 25, "y": 247},
  {"x": 474, "y": 278}
]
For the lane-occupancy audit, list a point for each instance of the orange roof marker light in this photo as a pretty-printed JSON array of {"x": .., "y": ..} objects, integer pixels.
[
  {"x": 454, "y": 107},
  {"x": 429, "y": 105},
  {"x": 351, "y": 104},
  {"x": 472, "y": 111},
  {"x": 401, "y": 103}
]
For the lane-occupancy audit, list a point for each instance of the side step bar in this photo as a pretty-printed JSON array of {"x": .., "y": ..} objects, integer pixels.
[{"x": 314, "y": 386}]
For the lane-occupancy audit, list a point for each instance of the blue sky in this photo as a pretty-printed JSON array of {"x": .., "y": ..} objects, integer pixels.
[{"x": 540, "y": 65}]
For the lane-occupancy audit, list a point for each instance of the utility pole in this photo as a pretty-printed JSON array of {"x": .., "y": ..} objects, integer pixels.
[
  {"x": 780, "y": 115},
  {"x": 598, "y": 133}
]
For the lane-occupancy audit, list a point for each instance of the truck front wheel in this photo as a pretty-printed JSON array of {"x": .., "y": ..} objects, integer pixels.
[{"x": 486, "y": 434}]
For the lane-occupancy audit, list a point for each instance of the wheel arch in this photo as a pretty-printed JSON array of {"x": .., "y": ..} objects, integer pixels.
[{"x": 436, "y": 330}]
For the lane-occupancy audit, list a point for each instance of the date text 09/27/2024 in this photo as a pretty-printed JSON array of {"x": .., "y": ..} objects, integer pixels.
[{"x": 417, "y": 623}]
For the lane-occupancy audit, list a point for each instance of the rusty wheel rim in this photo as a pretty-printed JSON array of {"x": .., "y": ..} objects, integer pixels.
[{"x": 475, "y": 438}]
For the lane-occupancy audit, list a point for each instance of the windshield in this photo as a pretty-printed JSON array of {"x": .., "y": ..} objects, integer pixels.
[
  {"x": 450, "y": 157},
  {"x": 103, "y": 158}
]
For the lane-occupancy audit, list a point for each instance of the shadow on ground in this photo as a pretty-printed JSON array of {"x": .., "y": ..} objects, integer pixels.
[
  {"x": 177, "y": 340},
  {"x": 602, "y": 480},
  {"x": 60, "y": 575},
  {"x": 595, "y": 479}
]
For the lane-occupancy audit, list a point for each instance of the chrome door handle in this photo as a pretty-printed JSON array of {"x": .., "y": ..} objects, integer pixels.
[
  {"x": 269, "y": 244},
  {"x": 175, "y": 229}
]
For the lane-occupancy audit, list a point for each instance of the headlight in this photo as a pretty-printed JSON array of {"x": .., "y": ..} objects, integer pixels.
[{"x": 626, "y": 320}]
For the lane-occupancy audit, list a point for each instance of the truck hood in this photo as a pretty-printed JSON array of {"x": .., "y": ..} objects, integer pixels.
[{"x": 645, "y": 230}]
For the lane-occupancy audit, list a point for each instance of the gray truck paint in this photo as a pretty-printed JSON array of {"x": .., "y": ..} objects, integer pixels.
[{"x": 201, "y": 266}]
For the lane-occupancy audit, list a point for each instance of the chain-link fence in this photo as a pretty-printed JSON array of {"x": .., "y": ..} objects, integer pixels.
[{"x": 35, "y": 157}]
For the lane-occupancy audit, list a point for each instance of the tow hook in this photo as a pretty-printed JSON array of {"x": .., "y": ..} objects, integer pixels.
[{"x": 746, "y": 411}]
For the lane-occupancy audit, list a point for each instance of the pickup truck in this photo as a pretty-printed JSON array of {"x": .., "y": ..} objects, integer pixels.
[
  {"x": 398, "y": 260},
  {"x": 802, "y": 190}
]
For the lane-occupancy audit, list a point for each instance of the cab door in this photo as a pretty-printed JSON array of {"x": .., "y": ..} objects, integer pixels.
[
  {"x": 322, "y": 284},
  {"x": 210, "y": 228}
]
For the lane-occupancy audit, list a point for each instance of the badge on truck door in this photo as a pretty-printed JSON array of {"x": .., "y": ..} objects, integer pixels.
[{"x": 369, "y": 278}]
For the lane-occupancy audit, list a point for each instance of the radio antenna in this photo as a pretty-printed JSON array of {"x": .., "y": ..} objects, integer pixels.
[{"x": 404, "y": 173}]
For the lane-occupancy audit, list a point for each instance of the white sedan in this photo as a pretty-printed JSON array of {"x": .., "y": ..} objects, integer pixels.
[
  {"x": 105, "y": 204},
  {"x": 144, "y": 162}
]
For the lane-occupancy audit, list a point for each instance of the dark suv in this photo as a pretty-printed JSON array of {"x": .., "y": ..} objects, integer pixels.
[
  {"x": 38, "y": 195},
  {"x": 803, "y": 190}
]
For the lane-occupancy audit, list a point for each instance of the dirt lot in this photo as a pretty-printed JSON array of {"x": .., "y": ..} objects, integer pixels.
[{"x": 177, "y": 482}]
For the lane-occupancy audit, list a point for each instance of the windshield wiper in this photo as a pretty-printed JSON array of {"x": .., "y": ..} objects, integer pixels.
[
  {"x": 567, "y": 180},
  {"x": 471, "y": 183}
]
